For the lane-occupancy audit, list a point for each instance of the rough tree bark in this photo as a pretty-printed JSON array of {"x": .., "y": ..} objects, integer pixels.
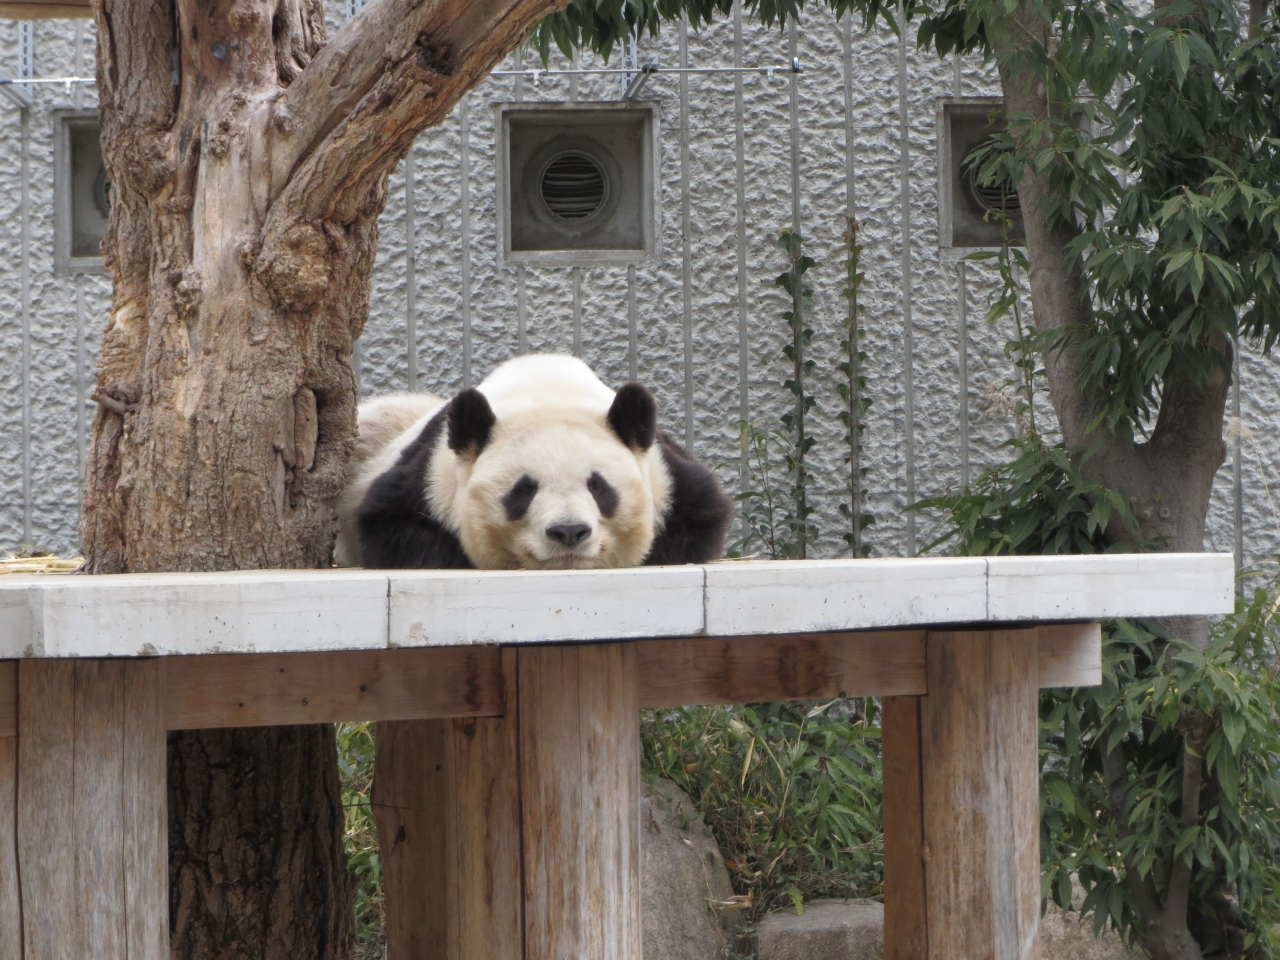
[
  {"x": 1168, "y": 478},
  {"x": 248, "y": 161}
]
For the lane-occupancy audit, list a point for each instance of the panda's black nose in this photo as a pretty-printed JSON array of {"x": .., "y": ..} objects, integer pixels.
[{"x": 570, "y": 534}]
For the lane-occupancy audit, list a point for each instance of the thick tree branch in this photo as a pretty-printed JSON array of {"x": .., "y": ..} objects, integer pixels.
[
  {"x": 1059, "y": 288},
  {"x": 332, "y": 185},
  {"x": 440, "y": 39}
]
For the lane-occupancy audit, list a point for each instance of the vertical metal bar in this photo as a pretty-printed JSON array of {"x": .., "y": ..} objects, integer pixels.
[
  {"x": 25, "y": 274},
  {"x": 793, "y": 111},
  {"x": 686, "y": 251},
  {"x": 411, "y": 266},
  {"x": 576, "y": 277},
  {"x": 464, "y": 116},
  {"x": 1237, "y": 466},
  {"x": 576, "y": 272},
  {"x": 962, "y": 335},
  {"x": 855, "y": 372},
  {"x": 26, "y": 69},
  {"x": 908, "y": 335},
  {"x": 522, "y": 303},
  {"x": 633, "y": 333},
  {"x": 740, "y": 184},
  {"x": 82, "y": 388}
]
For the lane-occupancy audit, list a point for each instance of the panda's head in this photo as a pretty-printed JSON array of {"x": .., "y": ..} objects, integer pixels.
[{"x": 554, "y": 488}]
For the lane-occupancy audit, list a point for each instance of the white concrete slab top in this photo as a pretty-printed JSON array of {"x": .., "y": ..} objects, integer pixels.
[{"x": 307, "y": 610}]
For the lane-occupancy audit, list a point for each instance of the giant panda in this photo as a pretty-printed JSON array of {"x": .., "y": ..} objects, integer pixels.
[{"x": 541, "y": 466}]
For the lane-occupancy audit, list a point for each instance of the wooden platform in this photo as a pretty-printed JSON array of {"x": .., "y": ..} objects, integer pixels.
[{"x": 507, "y": 776}]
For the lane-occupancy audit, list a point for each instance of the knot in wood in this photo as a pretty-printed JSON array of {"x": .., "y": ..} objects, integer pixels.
[
  {"x": 294, "y": 267},
  {"x": 283, "y": 121}
]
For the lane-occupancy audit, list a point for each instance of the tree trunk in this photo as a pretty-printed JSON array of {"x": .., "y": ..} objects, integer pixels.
[
  {"x": 256, "y": 864},
  {"x": 248, "y": 162},
  {"x": 1167, "y": 480}
]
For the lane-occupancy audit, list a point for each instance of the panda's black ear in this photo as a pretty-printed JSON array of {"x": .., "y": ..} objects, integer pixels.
[
  {"x": 634, "y": 416},
  {"x": 471, "y": 423}
]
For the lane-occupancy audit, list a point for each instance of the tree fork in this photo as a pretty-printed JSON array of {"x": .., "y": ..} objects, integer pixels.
[{"x": 248, "y": 160}]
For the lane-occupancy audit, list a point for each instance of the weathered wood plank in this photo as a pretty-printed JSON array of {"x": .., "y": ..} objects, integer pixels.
[
  {"x": 10, "y": 895},
  {"x": 40, "y": 10},
  {"x": 97, "y": 795},
  {"x": 486, "y": 893},
  {"x": 46, "y": 837},
  {"x": 8, "y": 698},
  {"x": 412, "y": 780},
  {"x": 251, "y": 690},
  {"x": 1070, "y": 655},
  {"x": 579, "y": 772},
  {"x": 446, "y": 800},
  {"x": 146, "y": 814},
  {"x": 981, "y": 800},
  {"x": 905, "y": 920},
  {"x": 702, "y": 670}
]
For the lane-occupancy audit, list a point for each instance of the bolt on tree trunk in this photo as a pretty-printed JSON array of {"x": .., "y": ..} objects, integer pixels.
[{"x": 248, "y": 161}]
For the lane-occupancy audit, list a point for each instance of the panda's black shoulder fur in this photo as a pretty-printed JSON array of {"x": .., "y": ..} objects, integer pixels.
[
  {"x": 698, "y": 521},
  {"x": 396, "y": 530}
]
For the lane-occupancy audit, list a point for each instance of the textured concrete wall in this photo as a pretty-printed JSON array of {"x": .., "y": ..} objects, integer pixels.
[{"x": 453, "y": 318}]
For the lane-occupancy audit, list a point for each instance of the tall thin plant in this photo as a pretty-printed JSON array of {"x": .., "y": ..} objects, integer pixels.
[{"x": 792, "y": 280}]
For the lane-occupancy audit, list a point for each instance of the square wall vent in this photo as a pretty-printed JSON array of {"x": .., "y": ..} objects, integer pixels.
[
  {"x": 578, "y": 183},
  {"x": 81, "y": 193},
  {"x": 964, "y": 203}
]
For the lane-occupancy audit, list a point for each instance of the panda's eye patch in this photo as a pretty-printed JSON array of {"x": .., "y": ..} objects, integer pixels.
[
  {"x": 519, "y": 497},
  {"x": 605, "y": 496}
]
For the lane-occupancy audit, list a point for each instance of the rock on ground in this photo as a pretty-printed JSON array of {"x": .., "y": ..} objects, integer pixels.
[
  {"x": 683, "y": 879},
  {"x": 835, "y": 930},
  {"x": 827, "y": 930}
]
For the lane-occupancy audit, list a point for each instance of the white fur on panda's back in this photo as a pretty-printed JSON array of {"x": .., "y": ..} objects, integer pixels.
[
  {"x": 384, "y": 427},
  {"x": 544, "y": 380}
]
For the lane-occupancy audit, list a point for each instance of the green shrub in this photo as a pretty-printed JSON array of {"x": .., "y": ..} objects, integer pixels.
[{"x": 791, "y": 792}]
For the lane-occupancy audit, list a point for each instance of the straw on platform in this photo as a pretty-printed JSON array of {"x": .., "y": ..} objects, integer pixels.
[{"x": 38, "y": 563}]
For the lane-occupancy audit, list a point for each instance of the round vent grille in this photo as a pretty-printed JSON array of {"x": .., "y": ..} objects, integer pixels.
[
  {"x": 573, "y": 185},
  {"x": 999, "y": 196}
]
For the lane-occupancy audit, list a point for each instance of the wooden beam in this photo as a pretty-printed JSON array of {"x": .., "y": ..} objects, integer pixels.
[
  {"x": 146, "y": 813},
  {"x": 8, "y": 698},
  {"x": 676, "y": 673},
  {"x": 46, "y": 811},
  {"x": 905, "y": 914},
  {"x": 580, "y": 800},
  {"x": 978, "y": 737},
  {"x": 243, "y": 690},
  {"x": 248, "y": 690},
  {"x": 1070, "y": 655},
  {"x": 10, "y": 891},
  {"x": 275, "y": 689},
  {"x": 36, "y": 10},
  {"x": 446, "y": 800},
  {"x": 91, "y": 811}
]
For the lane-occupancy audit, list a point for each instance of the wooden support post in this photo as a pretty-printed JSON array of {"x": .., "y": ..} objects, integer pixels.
[
  {"x": 10, "y": 897},
  {"x": 978, "y": 762},
  {"x": 91, "y": 811},
  {"x": 905, "y": 918},
  {"x": 446, "y": 803},
  {"x": 580, "y": 794}
]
